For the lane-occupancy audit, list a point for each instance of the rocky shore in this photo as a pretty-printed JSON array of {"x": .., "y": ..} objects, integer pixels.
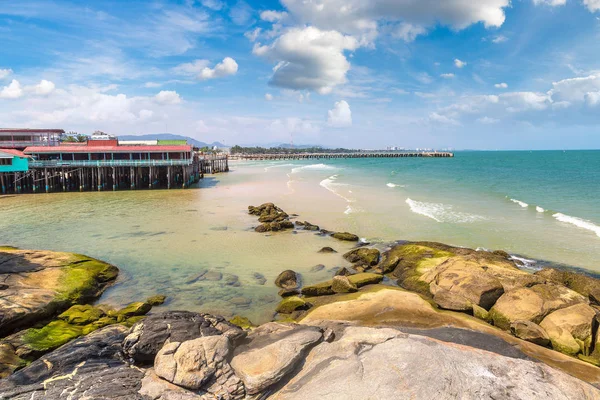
[{"x": 408, "y": 320}]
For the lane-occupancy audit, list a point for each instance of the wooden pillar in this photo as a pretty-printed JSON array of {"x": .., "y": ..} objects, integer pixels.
[
  {"x": 46, "y": 180},
  {"x": 99, "y": 179},
  {"x": 132, "y": 177},
  {"x": 114, "y": 179}
]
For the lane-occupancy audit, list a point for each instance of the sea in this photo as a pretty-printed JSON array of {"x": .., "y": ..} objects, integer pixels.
[{"x": 543, "y": 207}]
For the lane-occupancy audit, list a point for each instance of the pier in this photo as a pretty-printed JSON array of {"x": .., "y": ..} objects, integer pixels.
[
  {"x": 306, "y": 156},
  {"x": 214, "y": 164}
]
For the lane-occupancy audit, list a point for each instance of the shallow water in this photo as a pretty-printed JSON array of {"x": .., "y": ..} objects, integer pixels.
[{"x": 162, "y": 239}]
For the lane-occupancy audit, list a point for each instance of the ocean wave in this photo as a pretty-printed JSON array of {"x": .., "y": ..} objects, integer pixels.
[
  {"x": 442, "y": 212},
  {"x": 519, "y": 202},
  {"x": 579, "y": 222},
  {"x": 313, "y": 167},
  {"x": 393, "y": 185},
  {"x": 525, "y": 262},
  {"x": 331, "y": 185},
  {"x": 278, "y": 166},
  {"x": 539, "y": 209}
]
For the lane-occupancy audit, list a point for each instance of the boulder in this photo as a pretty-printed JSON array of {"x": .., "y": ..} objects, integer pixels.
[
  {"x": 481, "y": 313},
  {"x": 310, "y": 227},
  {"x": 343, "y": 272},
  {"x": 259, "y": 278},
  {"x": 457, "y": 284},
  {"x": 290, "y": 304},
  {"x": 81, "y": 314},
  {"x": 582, "y": 284},
  {"x": 133, "y": 309},
  {"x": 289, "y": 292},
  {"x": 9, "y": 360},
  {"x": 341, "y": 284},
  {"x": 287, "y": 280},
  {"x": 193, "y": 363},
  {"x": 326, "y": 288},
  {"x": 317, "y": 268},
  {"x": 211, "y": 275},
  {"x": 365, "y": 278},
  {"x": 156, "y": 300},
  {"x": 363, "y": 257},
  {"x": 147, "y": 337},
  {"x": 319, "y": 289},
  {"x": 242, "y": 322},
  {"x": 327, "y": 250},
  {"x": 532, "y": 304},
  {"x": 231, "y": 280},
  {"x": 345, "y": 236},
  {"x": 531, "y": 332},
  {"x": 41, "y": 284},
  {"x": 384, "y": 363},
  {"x": 271, "y": 352},
  {"x": 570, "y": 329}
]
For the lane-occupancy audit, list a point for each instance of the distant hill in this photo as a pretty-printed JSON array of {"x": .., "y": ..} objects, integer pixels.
[{"x": 170, "y": 136}]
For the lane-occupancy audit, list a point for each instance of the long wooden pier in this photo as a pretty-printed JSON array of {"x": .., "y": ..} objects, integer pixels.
[
  {"x": 306, "y": 156},
  {"x": 213, "y": 164}
]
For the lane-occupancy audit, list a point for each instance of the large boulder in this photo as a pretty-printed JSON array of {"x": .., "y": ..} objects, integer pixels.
[
  {"x": 40, "y": 284},
  {"x": 290, "y": 304},
  {"x": 363, "y": 257},
  {"x": 288, "y": 279},
  {"x": 570, "y": 329},
  {"x": 345, "y": 236},
  {"x": 532, "y": 304},
  {"x": 326, "y": 288},
  {"x": 341, "y": 284},
  {"x": 385, "y": 363},
  {"x": 457, "y": 284},
  {"x": 531, "y": 332},
  {"x": 271, "y": 351},
  {"x": 200, "y": 364},
  {"x": 147, "y": 337},
  {"x": 582, "y": 284}
]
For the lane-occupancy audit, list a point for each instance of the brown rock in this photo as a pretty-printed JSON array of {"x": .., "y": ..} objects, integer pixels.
[
  {"x": 341, "y": 284},
  {"x": 288, "y": 279},
  {"x": 530, "y": 331}
]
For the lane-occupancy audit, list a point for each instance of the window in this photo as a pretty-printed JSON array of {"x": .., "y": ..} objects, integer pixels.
[{"x": 6, "y": 161}]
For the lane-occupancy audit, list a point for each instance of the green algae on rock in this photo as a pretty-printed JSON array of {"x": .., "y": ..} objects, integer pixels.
[
  {"x": 348, "y": 237},
  {"x": 363, "y": 257},
  {"x": 242, "y": 322},
  {"x": 291, "y": 304}
]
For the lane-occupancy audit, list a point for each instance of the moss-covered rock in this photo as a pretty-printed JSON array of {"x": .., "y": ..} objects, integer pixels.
[
  {"x": 131, "y": 310},
  {"x": 582, "y": 284},
  {"x": 9, "y": 360},
  {"x": 53, "y": 335},
  {"x": 363, "y": 257},
  {"x": 365, "y": 278},
  {"x": 242, "y": 322},
  {"x": 319, "y": 289},
  {"x": 156, "y": 300},
  {"x": 570, "y": 329},
  {"x": 481, "y": 313},
  {"x": 291, "y": 304},
  {"x": 287, "y": 279},
  {"x": 348, "y": 237},
  {"x": 82, "y": 314},
  {"x": 341, "y": 284}
]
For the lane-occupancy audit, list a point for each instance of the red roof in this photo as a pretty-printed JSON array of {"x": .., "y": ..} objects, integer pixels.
[
  {"x": 107, "y": 149},
  {"x": 13, "y": 152}
]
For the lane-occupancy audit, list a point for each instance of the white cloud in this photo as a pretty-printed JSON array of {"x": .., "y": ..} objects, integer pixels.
[
  {"x": 241, "y": 13},
  {"x": 499, "y": 39},
  {"x": 573, "y": 90},
  {"x": 340, "y": 116},
  {"x": 592, "y": 5},
  {"x": 459, "y": 64},
  {"x": 214, "y": 5},
  {"x": 592, "y": 98},
  {"x": 447, "y": 76},
  {"x": 273, "y": 16},
  {"x": 501, "y": 85},
  {"x": 145, "y": 114},
  {"x": 152, "y": 84},
  {"x": 268, "y": 97},
  {"x": 442, "y": 119},
  {"x": 525, "y": 101},
  {"x": 193, "y": 68},
  {"x": 551, "y": 3},
  {"x": 4, "y": 73},
  {"x": 424, "y": 78},
  {"x": 488, "y": 120},
  {"x": 308, "y": 58},
  {"x": 408, "y": 32},
  {"x": 253, "y": 35},
  {"x": 225, "y": 68},
  {"x": 12, "y": 91},
  {"x": 168, "y": 97},
  {"x": 43, "y": 88}
]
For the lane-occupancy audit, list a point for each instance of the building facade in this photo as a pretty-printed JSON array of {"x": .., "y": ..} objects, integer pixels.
[{"x": 21, "y": 138}]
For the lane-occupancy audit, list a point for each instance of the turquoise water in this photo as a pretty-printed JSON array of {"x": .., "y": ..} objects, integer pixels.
[{"x": 161, "y": 239}]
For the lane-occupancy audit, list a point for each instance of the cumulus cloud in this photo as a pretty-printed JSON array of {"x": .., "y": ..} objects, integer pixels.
[
  {"x": 214, "y": 5},
  {"x": 340, "y": 116},
  {"x": 167, "y": 97},
  {"x": 273, "y": 16},
  {"x": 408, "y": 32},
  {"x": 501, "y": 85},
  {"x": 592, "y": 98},
  {"x": 43, "y": 88},
  {"x": 308, "y": 58},
  {"x": 551, "y": 3},
  {"x": 4, "y": 73},
  {"x": 152, "y": 84},
  {"x": 442, "y": 119},
  {"x": 488, "y": 120},
  {"x": 459, "y": 64},
  {"x": 592, "y": 5},
  {"x": 253, "y": 34},
  {"x": 225, "y": 68},
  {"x": 268, "y": 97},
  {"x": 447, "y": 76},
  {"x": 573, "y": 90},
  {"x": 12, "y": 91}
]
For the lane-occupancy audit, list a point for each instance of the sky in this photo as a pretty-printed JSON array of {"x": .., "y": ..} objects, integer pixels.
[{"x": 486, "y": 74}]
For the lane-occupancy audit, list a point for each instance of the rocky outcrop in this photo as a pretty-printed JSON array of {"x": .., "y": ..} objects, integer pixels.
[
  {"x": 40, "y": 284},
  {"x": 363, "y": 257},
  {"x": 147, "y": 337},
  {"x": 532, "y": 304},
  {"x": 570, "y": 329},
  {"x": 414, "y": 368},
  {"x": 341, "y": 284},
  {"x": 580, "y": 283},
  {"x": 345, "y": 236},
  {"x": 288, "y": 279},
  {"x": 290, "y": 304},
  {"x": 272, "y": 218},
  {"x": 531, "y": 332},
  {"x": 326, "y": 288},
  {"x": 271, "y": 352}
]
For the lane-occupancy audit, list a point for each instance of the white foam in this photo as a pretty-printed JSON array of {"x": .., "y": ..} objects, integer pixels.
[
  {"x": 278, "y": 166},
  {"x": 519, "y": 202},
  {"x": 539, "y": 209},
  {"x": 526, "y": 263},
  {"x": 331, "y": 185},
  {"x": 441, "y": 212},
  {"x": 313, "y": 167},
  {"x": 393, "y": 185},
  {"x": 579, "y": 222}
]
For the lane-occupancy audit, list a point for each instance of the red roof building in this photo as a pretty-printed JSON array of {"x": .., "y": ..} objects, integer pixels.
[{"x": 16, "y": 138}]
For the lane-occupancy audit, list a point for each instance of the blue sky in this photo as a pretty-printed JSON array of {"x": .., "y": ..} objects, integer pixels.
[{"x": 487, "y": 74}]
